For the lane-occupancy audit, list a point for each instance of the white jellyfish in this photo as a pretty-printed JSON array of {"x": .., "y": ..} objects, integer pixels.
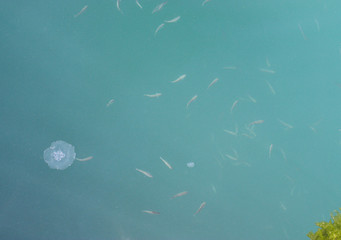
[
  {"x": 60, "y": 155},
  {"x": 190, "y": 164}
]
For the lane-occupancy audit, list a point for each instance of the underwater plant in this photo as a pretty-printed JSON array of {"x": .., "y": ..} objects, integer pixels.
[{"x": 328, "y": 230}]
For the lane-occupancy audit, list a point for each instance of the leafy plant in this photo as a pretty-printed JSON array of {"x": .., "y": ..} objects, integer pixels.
[{"x": 328, "y": 230}]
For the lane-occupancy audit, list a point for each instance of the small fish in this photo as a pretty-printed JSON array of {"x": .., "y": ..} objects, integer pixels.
[
  {"x": 284, "y": 208},
  {"x": 234, "y": 105},
  {"x": 270, "y": 150},
  {"x": 231, "y": 157},
  {"x": 271, "y": 88},
  {"x": 202, "y": 205},
  {"x": 166, "y": 163},
  {"x": 174, "y": 20},
  {"x": 314, "y": 125},
  {"x": 179, "y": 194},
  {"x": 256, "y": 122},
  {"x": 144, "y": 172},
  {"x": 250, "y": 128},
  {"x": 138, "y": 4},
  {"x": 252, "y": 99},
  {"x": 151, "y": 212},
  {"x": 235, "y": 157},
  {"x": 111, "y": 101},
  {"x": 179, "y": 78},
  {"x": 213, "y": 188},
  {"x": 213, "y": 82},
  {"x": 159, "y": 7},
  {"x": 191, "y": 100},
  {"x": 204, "y": 2},
  {"x": 267, "y": 70},
  {"x": 249, "y": 136},
  {"x": 159, "y": 28},
  {"x": 290, "y": 179},
  {"x": 231, "y": 132},
  {"x": 287, "y": 125},
  {"x": 118, "y": 6},
  {"x": 155, "y": 95},
  {"x": 301, "y": 30},
  {"x": 267, "y": 62},
  {"x": 317, "y": 25},
  {"x": 284, "y": 155},
  {"x": 313, "y": 129},
  {"x": 85, "y": 159},
  {"x": 242, "y": 163},
  {"x": 81, "y": 11}
]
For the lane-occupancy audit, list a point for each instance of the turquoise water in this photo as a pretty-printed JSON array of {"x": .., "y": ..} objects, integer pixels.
[{"x": 276, "y": 61}]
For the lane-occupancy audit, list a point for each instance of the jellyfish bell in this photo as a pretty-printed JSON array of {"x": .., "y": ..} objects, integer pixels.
[
  {"x": 190, "y": 164},
  {"x": 60, "y": 155}
]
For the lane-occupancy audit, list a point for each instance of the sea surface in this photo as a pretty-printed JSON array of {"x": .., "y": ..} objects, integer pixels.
[{"x": 240, "y": 98}]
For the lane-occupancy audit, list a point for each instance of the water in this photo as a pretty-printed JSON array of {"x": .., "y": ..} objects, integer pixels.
[{"x": 83, "y": 80}]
